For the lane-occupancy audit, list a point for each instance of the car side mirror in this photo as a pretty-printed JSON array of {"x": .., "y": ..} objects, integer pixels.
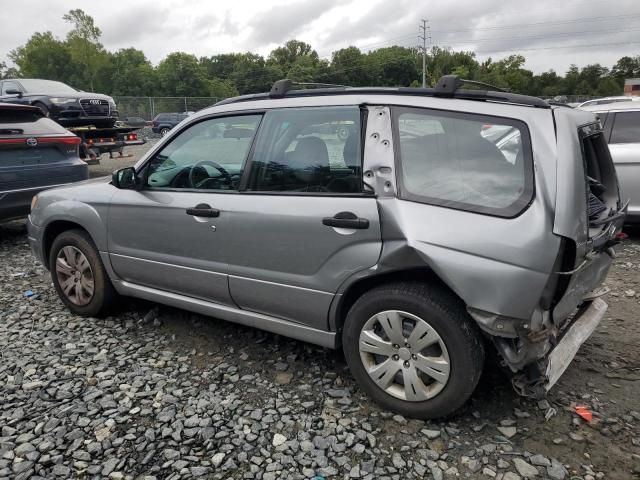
[
  {"x": 126, "y": 179},
  {"x": 13, "y": 91}
]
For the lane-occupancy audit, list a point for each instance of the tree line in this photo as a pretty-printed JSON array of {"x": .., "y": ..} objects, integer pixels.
[{"x": 82, "y": 61}]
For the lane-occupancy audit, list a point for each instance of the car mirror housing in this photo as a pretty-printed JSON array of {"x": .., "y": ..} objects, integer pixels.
[{"x": 126, "y": 179}]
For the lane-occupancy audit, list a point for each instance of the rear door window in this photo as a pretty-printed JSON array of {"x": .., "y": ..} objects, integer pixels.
[
  {"x": 308, "y": 150},
  {"x": 626, "y": 128},
  {"x": 464, "y": 161}
]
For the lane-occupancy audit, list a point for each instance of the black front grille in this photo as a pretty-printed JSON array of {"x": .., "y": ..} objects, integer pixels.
[{"x": 94, "y": 107}]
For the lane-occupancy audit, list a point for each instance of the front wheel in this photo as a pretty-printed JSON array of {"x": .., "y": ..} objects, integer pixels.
[
  {"x": 78, "y": 274},
  {"x": 414, "y": 349},
  {"x": 43, "y": 108},
  {"x": 164, "y": 131}
]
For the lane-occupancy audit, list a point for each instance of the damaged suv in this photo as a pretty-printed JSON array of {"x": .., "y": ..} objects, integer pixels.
[{"x": 414, "y": 228}]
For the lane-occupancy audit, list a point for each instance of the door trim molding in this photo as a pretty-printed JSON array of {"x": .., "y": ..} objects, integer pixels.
[
  {"x": 231, "y": 314},
  {"x": 286, "y": 285},
  {"x": 167, "y": 264}
]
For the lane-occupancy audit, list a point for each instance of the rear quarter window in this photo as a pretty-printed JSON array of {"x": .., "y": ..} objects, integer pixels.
[
  {"x": 626, "y": 128},
  {"x": 464, "y": 161}
]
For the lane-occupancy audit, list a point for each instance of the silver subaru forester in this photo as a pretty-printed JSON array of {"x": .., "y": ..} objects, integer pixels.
[{"x": 414, "y": 228}]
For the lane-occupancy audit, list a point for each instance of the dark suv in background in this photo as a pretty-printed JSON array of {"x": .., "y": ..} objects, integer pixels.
[
  {"x": 163, "y": 122},
  {"x": 62, "y": 103}
]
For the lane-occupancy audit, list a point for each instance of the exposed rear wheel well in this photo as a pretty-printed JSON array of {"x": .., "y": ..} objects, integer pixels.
[
  {"x": 53, "y": 230},
  {"x": 355, "y": 291}
]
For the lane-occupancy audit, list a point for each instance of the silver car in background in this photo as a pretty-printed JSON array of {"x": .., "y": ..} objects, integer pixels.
[
  {"x": 621, "y": 123},
  {"x": 414, "y": 228}
]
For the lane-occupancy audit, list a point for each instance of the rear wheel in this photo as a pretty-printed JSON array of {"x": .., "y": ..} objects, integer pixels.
[
  {"x": 413, "y": 348},
  {"x": 78, "y": 274},
  {"x": 164, "y": 131}
]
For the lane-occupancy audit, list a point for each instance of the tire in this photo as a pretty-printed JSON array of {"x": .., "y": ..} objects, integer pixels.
[
  {"x": 458, "y": 344},
  {"x": 72, "y": 246},
  {"x": 164, "y": 131},
  {"x": 43, "y": 108}
]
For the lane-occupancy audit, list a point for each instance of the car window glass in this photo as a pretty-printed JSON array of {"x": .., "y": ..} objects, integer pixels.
[
  {"x": 626, "y": 128},
  {"x": 7, "y": 85},
  {"x": 464, "y": 161},
  {"x": 308, "y": 150},
  {"x": 208, "y": 155}
]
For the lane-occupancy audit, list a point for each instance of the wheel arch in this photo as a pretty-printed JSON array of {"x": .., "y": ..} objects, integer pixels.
[
  {"x": 53, "y": 230},
  {"x": 359, "y": 286}
]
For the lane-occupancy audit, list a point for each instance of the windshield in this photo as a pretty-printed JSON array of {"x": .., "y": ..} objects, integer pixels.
[{"x": 46, "y": 86}]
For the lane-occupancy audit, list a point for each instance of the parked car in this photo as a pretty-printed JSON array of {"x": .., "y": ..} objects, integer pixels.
[
  {"x": 136, "y": 122},
  {"x": 621, "y": 123},
  {"x": 164, "y": 122},
  {"x": 60, "y": 102},
  {"x": 606, "y": 100},
  {"x": 35, "y": 153},
  {"x": 415, "y": 244}
]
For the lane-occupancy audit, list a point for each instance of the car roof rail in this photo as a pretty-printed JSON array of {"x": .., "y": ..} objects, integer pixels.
[
  {"x": 449, "y": 86},
  {"x": 281, "y": 87}
]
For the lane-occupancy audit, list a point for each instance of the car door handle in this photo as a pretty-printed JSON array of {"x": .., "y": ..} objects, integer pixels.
[
  {"x": 203, "y": 210},
  {"x": 346, "y": 220}
]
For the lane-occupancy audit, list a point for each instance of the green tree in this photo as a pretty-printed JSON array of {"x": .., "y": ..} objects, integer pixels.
[
  {"x": 626, "y": 67},
  {"x": 392, "y": 66},
  {"x": 7, "y": 72},
  {"x": 222, "y": 88},
  {"x": 87, "y": 52},
  {"x": 253, "y": 74},
  {"x": 43, "y": 56},
  {"x": 348, "y": 68},
  {"x": 293, "y": 52},
  {"x": 180, "y": 74},
  {"x": 131, "y": 73}
]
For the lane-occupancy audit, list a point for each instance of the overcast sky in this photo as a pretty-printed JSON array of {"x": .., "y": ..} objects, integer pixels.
[{"x": 552, "y": 34}]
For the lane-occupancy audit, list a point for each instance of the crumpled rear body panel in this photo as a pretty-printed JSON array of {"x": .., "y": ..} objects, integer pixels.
[{"x": 499, "y": 265}]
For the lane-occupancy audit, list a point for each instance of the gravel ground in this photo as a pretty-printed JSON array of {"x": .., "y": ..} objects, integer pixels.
[{"x": 154, "y": 392}]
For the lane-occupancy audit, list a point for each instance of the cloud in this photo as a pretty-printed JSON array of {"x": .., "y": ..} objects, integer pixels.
[
  {"x": 543, "y": 31},
  {"x": 283, "y": 22}
]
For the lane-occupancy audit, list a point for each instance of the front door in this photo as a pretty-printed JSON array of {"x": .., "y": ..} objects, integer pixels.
[
  {"x": 302, "y": 223},
  {"x": 173, "y": 233}
]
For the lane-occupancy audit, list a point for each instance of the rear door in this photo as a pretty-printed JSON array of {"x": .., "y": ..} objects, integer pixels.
[
  {"x": 302, "y": 223},
  {"x": 624, "y": 145}
]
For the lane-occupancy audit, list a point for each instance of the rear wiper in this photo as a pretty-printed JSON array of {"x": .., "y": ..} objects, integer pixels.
[{"x": 11, "y": 131}]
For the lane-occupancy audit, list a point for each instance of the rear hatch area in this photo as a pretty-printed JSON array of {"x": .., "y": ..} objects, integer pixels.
[{"x": 589, "y": 210}]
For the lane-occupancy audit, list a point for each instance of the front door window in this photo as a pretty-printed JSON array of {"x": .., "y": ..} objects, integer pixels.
[{"x": 209, "y": 155}]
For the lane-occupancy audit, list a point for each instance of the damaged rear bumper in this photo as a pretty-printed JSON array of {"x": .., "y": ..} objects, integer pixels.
[
  {"x": 538, "y": 360},
  {"x": 580, "y": 329}
]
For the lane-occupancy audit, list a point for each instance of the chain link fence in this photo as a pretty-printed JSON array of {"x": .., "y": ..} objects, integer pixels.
[{"x": 149, "y": 107}]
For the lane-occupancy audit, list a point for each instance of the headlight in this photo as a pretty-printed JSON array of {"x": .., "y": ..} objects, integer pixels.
[
  {"x": 62, "y": 100},
  {"x": 34, "y": 202}
]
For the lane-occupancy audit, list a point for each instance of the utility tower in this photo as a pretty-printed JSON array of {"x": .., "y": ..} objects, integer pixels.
[{"x": 425, "y": 34}]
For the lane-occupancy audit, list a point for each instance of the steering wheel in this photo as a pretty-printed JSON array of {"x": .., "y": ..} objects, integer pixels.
[{"x": 199, "y": 167}]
